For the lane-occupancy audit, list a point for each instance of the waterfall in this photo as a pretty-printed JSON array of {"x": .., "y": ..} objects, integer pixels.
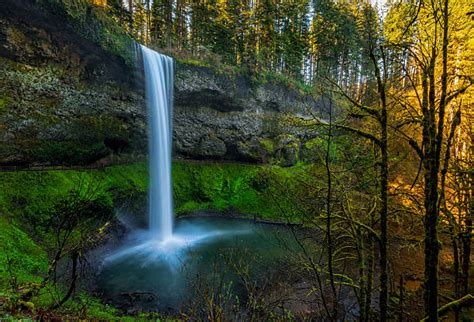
[{"x": 159, "y": 93}]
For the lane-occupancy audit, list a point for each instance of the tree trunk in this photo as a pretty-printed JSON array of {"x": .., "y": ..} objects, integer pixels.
[
  {"x": 383, "y": 120},
  {"x": 383, "y": 219},
  {"x": 328, "y": 218},
  {"x": 431, "y": 220},
  {"x": 72, "y": 286},
  {"x": 130, "y": 9},
  {"x": 433, "y": 139},
  {"x": 466, "y": 241}
]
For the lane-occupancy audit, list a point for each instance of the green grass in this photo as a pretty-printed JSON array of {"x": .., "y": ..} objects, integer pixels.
[{"x": 21, "y": 259}]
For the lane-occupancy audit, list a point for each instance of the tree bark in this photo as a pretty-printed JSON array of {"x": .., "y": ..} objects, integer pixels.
[
  {"x": 465, "y": 301},
  {"x": 328, "y": 218},
  {"x": 433, "y": 139},
  {"x": 383, "y": 121},
  {"x": 72, "y": 286}
]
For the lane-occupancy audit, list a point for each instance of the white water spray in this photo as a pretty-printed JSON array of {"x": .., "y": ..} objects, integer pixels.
[{"x": 159, "y": 92}]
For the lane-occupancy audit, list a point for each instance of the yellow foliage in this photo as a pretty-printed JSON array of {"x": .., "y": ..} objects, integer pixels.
[{"x": 100, "y": 3}]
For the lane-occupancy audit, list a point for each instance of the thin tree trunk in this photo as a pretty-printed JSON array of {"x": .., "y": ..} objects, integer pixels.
[
  {"x": 442, "y": 197},
  {"x": 402, "y": 291},
  {"x": 431, "y": 246},
  {"x": 431, "y": 226},
  {"x": 466, "y": 256},
  {"x": 370, "y": 278},
  {"x": 328, "y": 217},
  {"x": 72, "y": 286},
  {"x": 383, "y": 120},
  {"x": 362, "y": 274},
  {"x": 383, "y": 218},
  {"x": 130, "y": 9}
]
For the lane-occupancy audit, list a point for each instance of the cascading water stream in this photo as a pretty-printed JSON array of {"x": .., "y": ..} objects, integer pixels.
[
  {"x": 159, "y": 92},
  {"x": 161, "y": 259},
  {"x": 161, "y": 243}
]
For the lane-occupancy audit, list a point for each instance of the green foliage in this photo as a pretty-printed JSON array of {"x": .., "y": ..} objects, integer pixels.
[
  {"x": 68, "y": 222},
  {"x": 319, "y": 146},
  {"x": 24, "y": 194},
  {"x": 215, "y": 186},
  {"x": 90, "y": 308},
  {"x": 290, "y": 82}
]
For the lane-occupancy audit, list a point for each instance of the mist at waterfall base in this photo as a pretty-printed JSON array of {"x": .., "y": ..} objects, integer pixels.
[
  {"x": 167, "y": 262},
  {"x": 147, "y": 275}
]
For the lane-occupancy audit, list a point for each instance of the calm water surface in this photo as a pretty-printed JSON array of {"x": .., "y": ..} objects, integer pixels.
[{"x": 202, "y": 253}]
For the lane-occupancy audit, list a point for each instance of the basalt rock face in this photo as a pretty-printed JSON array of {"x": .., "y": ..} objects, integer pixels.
[
  {"x": 236, "y": 118},
  {"x": 64, "y": 99}
]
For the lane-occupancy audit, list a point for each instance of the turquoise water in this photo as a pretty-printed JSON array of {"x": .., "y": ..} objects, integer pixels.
[{"x": 203, "y": 255}]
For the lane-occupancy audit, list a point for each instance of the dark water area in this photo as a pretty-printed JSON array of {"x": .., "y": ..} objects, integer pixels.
[{"x": 205, "y": 255}]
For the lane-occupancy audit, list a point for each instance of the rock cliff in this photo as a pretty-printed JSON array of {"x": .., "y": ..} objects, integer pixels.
[{"x": 65, "y": 99}]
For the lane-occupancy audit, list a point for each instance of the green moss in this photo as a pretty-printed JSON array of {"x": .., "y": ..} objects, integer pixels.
[
  {"x": 245, "y": 189},
  {"x": 320, "y": 145},
  {"x": 212, "y": 62},
  {"x": 21, "y": 260},
  {"x": 27, "y": 196},
  {"x": 194, "y": 62},
  {"x": 215, "y": 186},
  {"x": 4, "y": 102},
  {"x": 268, "y": 144},
  {"x": 278, "y": 78},
  {"x": 241, "y": 188}
]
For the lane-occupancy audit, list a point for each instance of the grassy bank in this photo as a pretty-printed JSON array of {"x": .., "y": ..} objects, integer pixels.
[{"x": 197, "y": 186}]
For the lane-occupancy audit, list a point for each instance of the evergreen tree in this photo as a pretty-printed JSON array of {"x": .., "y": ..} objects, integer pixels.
[
  {"x": 139, "y": 20},
  {"x": 161, "y": 23}
]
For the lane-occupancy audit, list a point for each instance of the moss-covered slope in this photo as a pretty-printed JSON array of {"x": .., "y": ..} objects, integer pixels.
[{"x": 238, "y": 188}]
